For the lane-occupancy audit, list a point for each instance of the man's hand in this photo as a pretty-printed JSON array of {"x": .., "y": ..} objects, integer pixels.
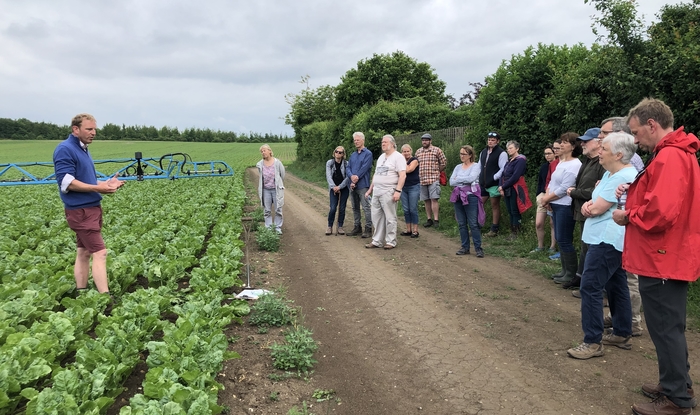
[
  {"x": 620, "y": 216},
  {"x": 568, "y": 191},
  {"x": 109, "y": 186},
  {"x": 354, "y": 178}
]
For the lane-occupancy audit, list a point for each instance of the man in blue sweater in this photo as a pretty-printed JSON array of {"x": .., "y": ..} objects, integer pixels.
[
  {"x": 359, "y": 170},
  {"x": 82, "y": 194}
]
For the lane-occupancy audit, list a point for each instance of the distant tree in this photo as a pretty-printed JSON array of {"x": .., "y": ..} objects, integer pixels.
[{"x": 310, "y": 105}]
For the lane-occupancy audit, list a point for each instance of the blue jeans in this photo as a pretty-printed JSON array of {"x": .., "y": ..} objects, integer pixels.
[
  {"x": 468, "y": 215},
  {"x": 342, "y": 196},
  {"x": 603, "y": 270},
  {"x": 409, "y": 203},
  {"x": 512, "y": 206},
  {"x": 564, "y": 227}
]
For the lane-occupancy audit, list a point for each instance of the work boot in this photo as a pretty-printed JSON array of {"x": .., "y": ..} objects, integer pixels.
[
  {"x": 574, "y": 283},
  {"x": 586, "y": 350},
  {"x": 654, "y": 390},
  {"x": 368, "y": 232},
  {"x": 660, "y": 406},
  {"x": 436, "y": 224},
  {"x": 355, "y": 231},
  {"x": 428, "y": 223}
]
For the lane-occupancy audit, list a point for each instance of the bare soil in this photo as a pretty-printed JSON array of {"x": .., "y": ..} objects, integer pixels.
[{"x": 419, "y": 330}]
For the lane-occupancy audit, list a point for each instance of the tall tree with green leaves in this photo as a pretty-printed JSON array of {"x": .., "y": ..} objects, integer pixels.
[{"x": 387, "y": 77}]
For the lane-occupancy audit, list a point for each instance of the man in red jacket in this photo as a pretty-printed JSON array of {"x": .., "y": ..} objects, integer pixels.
[{"x": 661, "y": 241}]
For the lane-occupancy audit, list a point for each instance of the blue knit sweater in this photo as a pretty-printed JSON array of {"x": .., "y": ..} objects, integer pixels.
[{"x": 70, "y": 158}]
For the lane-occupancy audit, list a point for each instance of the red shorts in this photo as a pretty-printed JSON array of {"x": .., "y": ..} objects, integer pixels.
[{"x": 87, "y": 225}]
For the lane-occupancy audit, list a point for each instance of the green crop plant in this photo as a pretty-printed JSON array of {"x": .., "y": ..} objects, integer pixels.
[
  {"x": 297, "y": 351},
  {"x": 267, "y": 239}
]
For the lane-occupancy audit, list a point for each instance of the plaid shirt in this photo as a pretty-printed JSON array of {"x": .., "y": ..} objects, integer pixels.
[{"x": 431, "y": 160}]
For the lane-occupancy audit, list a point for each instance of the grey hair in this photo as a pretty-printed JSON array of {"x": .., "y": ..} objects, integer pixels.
[
  {"x": 408, "y": 146},
  {"x": 514, "y": 144},
  {"x": 358, "y": 134},
  {"x": 618, "y": 124},
  {"x": 621, "y": 142},
  {"x": 392, "y": 140}
]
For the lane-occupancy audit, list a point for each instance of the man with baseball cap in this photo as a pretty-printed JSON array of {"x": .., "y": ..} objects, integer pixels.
[
  {"x": 432, "y": 161},
  {"x": 493, "y": 160}
]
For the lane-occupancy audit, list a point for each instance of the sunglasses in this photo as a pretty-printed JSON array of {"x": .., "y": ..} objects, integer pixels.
[
  {"x": 339, "y": 152},
  {"x": 492, "y": 134}
]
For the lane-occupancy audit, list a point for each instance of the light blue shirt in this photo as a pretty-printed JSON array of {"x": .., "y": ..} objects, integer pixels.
[{"x": 602, "y": 229}]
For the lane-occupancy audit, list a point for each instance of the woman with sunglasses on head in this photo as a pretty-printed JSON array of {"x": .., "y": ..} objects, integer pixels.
[
  {"x": 556, "y": 198},
  {"x": 466, "y": 198},
  {"x": 339, "y": 191},
  {"x": 411, "y": 192}
]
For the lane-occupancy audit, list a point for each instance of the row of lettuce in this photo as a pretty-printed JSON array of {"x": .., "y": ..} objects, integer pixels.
[{"x": 175, "y": 247}]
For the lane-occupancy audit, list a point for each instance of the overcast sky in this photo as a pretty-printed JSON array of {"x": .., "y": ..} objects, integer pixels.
[{"x": 227, "y": 64}]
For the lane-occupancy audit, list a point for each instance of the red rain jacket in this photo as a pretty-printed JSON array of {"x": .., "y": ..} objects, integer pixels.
[{"x": 662, "y": 239}]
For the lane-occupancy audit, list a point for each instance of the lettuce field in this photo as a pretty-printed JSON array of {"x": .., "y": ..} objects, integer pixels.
[{"x": 175, "y": 251}]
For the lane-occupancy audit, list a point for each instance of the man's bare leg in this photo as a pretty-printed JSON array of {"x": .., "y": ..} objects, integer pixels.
[
  {"x": 99, "y": 270},
  {"x": 435, "y": 205},
  {"x": 82, "y": 268}
]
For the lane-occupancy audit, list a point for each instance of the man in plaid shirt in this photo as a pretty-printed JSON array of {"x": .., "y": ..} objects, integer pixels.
[{"x": 431, "y": 161}]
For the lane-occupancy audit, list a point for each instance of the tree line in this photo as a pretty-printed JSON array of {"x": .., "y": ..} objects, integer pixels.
[
  {"x": 24, "y": 129},
  {"x": 533, "y": 97}
]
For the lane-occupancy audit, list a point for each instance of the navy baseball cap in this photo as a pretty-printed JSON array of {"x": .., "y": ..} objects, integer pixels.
[{"x": 590, "y": 134}]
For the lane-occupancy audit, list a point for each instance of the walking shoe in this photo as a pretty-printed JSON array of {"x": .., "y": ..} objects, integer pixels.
[
  {"x": 436, "y": 224},
  {"x": 479, "y": 253},
  {"x": 619, "y": 341},
  {"x": 279, "y": 231},
  {"x": 576, "y": 293},
  {"x": 491, "y": 234},
  {"x": 555, "y": 256},
  {"x": 340, "y": 231},
  {"x": 428, "y": 223},
  {"x": 512, "y": 237},
  {"x": 660, "y": 406},
  {"x": 407, "y": 233},
  {"x": 387, "y": 246},
  {"x": 372, "y": 246},
  {"x": 607, "y": 321},
  {"x": 537, "y": 250},
  {"x": 368, "y": 232},
  {"x": 355, "y": 231},
  {"x": 329, "y": 230},
  {"x": 654, "y": 390},
  {"x": 574, "y": 283},
  {"x": 463, "y": 251},
  {"x": 551, "y": 251},
  {"x": 637, "y": 329},
  {"x": 586, "y": 350},
  {"x": 415, "y": 235}
]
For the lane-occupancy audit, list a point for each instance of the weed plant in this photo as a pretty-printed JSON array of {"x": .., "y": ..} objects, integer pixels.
[
  {"x": 296, "y": 353},
  {"x": 272, "y": 310},
  {"x": 267, "y": 239}
]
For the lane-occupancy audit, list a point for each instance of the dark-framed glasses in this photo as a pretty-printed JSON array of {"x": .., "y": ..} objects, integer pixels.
[{"x": 339, "y": 152}]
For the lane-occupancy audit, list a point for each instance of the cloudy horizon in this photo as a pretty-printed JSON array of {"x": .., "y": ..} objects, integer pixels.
[{"x": 227, "y": 65}]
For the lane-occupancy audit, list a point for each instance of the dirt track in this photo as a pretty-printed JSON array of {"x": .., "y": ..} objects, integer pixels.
[{"x": 420, "y": 330}]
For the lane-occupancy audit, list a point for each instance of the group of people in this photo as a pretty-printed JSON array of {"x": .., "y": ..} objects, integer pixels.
[
  {"x": 637, "y": 238},
  {"x": 397, "y": 177},
  {"x": 638, "y": 232}
]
